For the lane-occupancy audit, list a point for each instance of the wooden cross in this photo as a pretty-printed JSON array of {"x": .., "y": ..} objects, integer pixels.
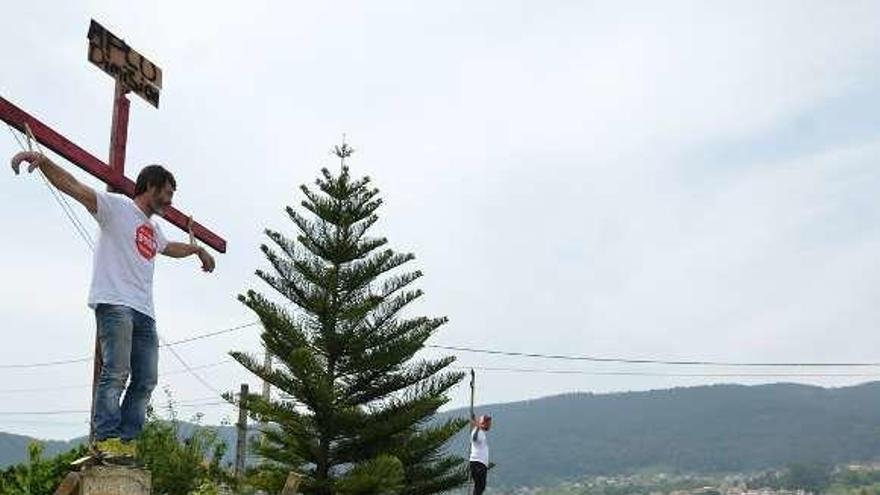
[{"x": 132, "y": 72}]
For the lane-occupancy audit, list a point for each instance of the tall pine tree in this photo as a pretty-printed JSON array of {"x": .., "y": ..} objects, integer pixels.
[{"x": 357, "y": 407}]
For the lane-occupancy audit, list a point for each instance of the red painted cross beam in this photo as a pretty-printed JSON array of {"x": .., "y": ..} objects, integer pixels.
[{"x": 132, "y": 72}]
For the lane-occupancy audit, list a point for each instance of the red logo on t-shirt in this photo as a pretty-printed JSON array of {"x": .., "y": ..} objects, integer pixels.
[{"x": 145, "y": 239}]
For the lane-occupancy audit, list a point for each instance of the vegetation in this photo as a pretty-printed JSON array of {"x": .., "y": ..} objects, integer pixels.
[
  {"x": 180, "y": 464},
  {"x": 38, "y": 475}
]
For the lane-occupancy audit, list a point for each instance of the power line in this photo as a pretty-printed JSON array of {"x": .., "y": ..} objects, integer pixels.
[
  {"x": 164, "y": 344},
  {"x": 211, "y": 334},
  {"x": 524, "y": 370},
  {"x": 200, "y": 400},
  {"x": 498, "y": 352},
  {"x": 86, "y": 411},
  {"x": 44, "y": 363},
  {"x": 44, "y": 423},
  {"x": 88, "y": 385},
  {"x": 191, "y": 371},
  {"x": 199, "y": 367},
  {"x": 44, "y": 413},
  {"x": 648, "y": 361},
  {"x": 670, "y": 375}
]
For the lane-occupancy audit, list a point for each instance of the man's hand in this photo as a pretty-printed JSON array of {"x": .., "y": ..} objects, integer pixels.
[
  {"x": 182, "y": 250},
  {"x": 207, "y": 260},
  {"x": 34, "y": 158}
]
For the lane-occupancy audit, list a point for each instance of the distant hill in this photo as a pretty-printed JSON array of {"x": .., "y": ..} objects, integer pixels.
[
  {"x": 698, "y": 429},
  {"x": 13, "y": 448}
]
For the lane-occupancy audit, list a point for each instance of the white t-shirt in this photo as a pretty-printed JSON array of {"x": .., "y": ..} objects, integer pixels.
[
  {"x": 125, "y": 255},
  {"x": 480, "y": 447}
]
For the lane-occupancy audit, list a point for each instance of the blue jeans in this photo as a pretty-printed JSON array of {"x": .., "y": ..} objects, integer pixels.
[{"x": 129, "y": 347}]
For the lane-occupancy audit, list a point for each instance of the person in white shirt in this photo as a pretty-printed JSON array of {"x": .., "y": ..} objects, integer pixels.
[
  {"x": 121, "y": 293},
  {"x": 480, "y": 451}
]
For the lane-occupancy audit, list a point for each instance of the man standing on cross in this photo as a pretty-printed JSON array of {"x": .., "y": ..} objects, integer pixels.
[{"x": 121, "y": 294}]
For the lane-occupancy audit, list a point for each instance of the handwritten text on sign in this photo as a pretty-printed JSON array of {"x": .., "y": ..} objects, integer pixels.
[{"x": 116, "y": 58}]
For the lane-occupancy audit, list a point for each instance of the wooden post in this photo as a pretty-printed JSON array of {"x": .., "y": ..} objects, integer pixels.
[
  {"x": 69, "y": 485},
  {"x": 119, "y": 131},
  {"x": 97, "y": 364},
  {"x": 473, "y": 378},
  {"x": 468, "y": 455},
  {"x": 267, "y": 394},
  {"x": 291, "y": 487},
  {"x": 241, "y": 441},
  {"x": 267, "y": 388}
]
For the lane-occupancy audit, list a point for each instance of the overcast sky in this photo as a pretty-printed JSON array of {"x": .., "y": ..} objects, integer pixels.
[{"x": 671, "y": 180}]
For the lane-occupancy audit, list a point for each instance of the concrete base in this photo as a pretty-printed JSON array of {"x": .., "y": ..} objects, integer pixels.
[{"x": 112, "y": 480}]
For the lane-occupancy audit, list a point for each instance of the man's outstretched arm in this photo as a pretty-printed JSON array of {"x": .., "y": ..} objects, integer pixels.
[
  {"x": 58, "y": 177},
  {"x": 181, "y": 250}
]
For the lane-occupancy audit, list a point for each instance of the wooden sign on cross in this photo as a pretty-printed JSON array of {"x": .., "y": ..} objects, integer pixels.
[
  {"x": 133, "y": 72},
  {"x": 116, "y": 58}
]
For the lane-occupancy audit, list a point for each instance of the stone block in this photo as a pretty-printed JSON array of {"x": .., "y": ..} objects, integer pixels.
[{"x": 113, "y": 480}]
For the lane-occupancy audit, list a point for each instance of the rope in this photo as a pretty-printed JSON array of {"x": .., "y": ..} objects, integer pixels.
[{"x": 59, "y": 198}]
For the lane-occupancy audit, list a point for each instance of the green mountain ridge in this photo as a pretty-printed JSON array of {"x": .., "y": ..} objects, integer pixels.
[
  {"x": 13, "y": 448},
  {"x": 718, "y": 428}
]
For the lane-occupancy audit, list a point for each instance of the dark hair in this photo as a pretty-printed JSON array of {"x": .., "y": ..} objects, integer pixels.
[{"x": 153, "y": 175}]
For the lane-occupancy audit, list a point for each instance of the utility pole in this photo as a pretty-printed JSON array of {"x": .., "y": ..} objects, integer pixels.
[
  {"x": 473, "y": 379},
  {"x": 241, "y": 441},
  {"x": 267, "y": 393},
  {"x": 267, "y": 365}
]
